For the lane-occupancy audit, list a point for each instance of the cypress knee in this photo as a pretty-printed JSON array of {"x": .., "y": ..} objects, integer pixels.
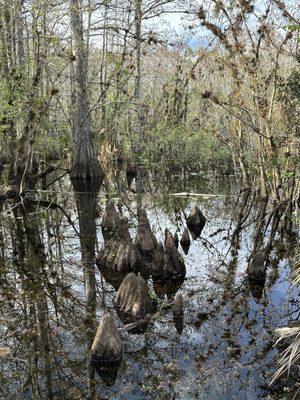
[
  {"x": 174, "y": 266},
  {"x": 185, "y": 241},
  {"x": 145, "y": 240},
  {"x": 110, "y": 221},
  {"x": 119, "y": 253},
  {"x": 168, "y": 263},
  {"x": 196, "y": 222},
  {"x": 133, "y": 301},
  {"x": 157, "y": 264},
  {"x": 107, "y": 349},
  {"x": 176, "y": 240},
  {"x": 178, "y": 313}
]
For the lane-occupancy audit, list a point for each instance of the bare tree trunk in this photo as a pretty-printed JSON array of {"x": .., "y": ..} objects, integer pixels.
[
  {"x": 137, "y": 88},
  {"x": 137, "y": 91},
  {"x": 85, "y": 164}
]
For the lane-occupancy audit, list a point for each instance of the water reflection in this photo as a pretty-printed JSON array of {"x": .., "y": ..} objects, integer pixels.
[
  {"x": 86, "y": 201},
  {"x": 167, "y": 288},
  {"x": 52, "y": 296}
]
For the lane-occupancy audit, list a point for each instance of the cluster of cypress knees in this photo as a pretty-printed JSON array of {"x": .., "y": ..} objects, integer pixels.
[{"x": 127, "y": 265}]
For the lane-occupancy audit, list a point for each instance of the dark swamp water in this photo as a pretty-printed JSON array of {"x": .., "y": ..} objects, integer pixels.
[{"x": 226, "y": 348}]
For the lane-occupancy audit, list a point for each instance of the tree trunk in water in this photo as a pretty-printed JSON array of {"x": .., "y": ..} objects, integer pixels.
[
  {"x": 85, "y": 164},
  {"x": 86, "y": 201}
]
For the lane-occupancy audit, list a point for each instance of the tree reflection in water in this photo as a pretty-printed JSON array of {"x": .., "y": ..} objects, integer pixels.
[{"x": 53, "y": 297}]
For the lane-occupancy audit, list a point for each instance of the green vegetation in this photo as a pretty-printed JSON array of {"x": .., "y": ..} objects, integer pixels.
[
  {"x": 105, "y": 91},
  {"x": 180, "y": 150}
]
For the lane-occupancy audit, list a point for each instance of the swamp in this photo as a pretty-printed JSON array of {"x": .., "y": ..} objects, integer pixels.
[
  {"x": 149, "y": 200},
  {"x": 220, "y": 346}
]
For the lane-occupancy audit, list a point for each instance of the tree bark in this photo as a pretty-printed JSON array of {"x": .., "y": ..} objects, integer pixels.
[
  {"x": 85, "y": 164},
  {"x": 137, "y": 95},
  {"x": 137, "y": 87}
]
